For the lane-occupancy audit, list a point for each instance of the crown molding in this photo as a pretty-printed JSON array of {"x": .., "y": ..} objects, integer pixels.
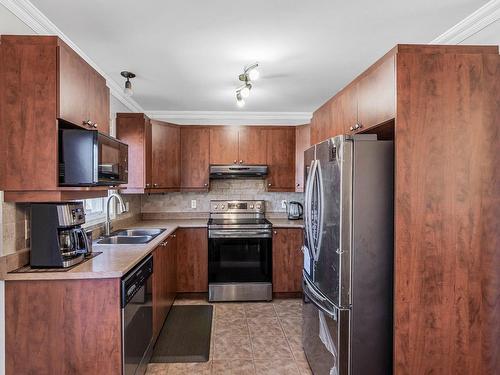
[
  {"x": 40, "y": 24},
  {"x": 484, "y": 16},
  {"x": 231, "y": 117}
]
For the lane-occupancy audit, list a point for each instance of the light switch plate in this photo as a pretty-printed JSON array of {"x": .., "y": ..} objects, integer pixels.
[{"x": 193, "y": 203}]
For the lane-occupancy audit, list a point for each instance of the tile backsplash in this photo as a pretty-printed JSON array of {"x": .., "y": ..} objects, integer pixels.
[{"x": 219, "y": 189}]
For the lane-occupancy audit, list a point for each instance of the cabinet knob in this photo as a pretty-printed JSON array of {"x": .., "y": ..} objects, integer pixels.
[
  {"x": 241, "y": 161},
  {"x": 235, "y": 161},
  {"x": 205, "y": 184},
  {"x": 275, "y": 232},
  {"x": 94, "y": 124},
  {"x": 174, "y": 235},
  {"x": 155, "y": 185},
  {"x": 269, "y": 184},
  {"x": 351, "y": 128},
  {"x": 298, "y": 185},
  {"x": 148, "y": 185}
]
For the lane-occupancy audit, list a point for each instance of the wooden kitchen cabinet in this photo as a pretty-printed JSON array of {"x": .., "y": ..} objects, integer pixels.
[
  {"x": 302, "y": 143},
  {"x": 165, "y": 160},
  {"x": 287, "y": 260},
  {"x": 223, "y": 145},
  {"x": 164, "y": 281},
  {"x": 192, "y": 260},
  {"x": 154, "y": 153},
  {"x": 43, "y": 81},
  {"x": 376, "y": 91},
  {"x": 281, "y": 159},
  {"x": 252, "y": 145},
  {"x": 83, "y": 96},
  {"x": 195, "y": 158}
]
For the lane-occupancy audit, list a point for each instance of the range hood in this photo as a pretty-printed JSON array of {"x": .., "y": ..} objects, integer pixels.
[{"x": 237, "y": 171}]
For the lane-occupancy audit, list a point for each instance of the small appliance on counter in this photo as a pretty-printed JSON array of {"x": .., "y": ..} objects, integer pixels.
[
  {"x": 57, "y": 238},
  {"x": 295, "y": 210}
]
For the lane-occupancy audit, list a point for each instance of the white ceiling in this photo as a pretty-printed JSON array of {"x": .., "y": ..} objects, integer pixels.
[{"x": 187, "y": 54}]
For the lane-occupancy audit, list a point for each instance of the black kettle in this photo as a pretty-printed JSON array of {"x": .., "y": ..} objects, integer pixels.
[{"x": 295, "y": 211}]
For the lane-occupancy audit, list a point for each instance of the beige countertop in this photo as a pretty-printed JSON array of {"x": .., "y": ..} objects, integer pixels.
[{"x": 115, "y": 260}]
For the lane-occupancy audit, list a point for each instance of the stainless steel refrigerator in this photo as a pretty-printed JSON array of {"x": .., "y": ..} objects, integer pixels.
[{"x": 348, "y": 256}]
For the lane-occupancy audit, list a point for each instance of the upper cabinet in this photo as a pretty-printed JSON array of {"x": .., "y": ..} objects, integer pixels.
[
  {"x": 154, "y": 153},
  {"x": 366, "y": 102},
  {"x": 43, "y": 80},
  {"x": 165, "y": 173},
  {"x": 238, "y": 145},
  {"x": 83, "y": 97},
  {"x": 223, "y": 145},
  {"x": 302, "y": 143},
  {"x": 195, "y": 158},
  {"x": 376, "y": 93},
  {"x": 281, "y": 159},
  {"x": 252, "y": 145}
]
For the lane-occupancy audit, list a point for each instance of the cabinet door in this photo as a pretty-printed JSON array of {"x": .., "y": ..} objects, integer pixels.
[
  {"x": 377, "y": 95},
  {"x": 166, "y": 155},
  {"x": 345, "y": 112},
  {"x": 195, "y": 158},
  {"x": 223, "y": 145},
  {"x": 192, "y": 260},
  {"x": 99, "y": 102},
  {"x": 160, "y": 287},
  {"x": 320, "y": 123},
  {"x": 302, "y": 143},
  {"x": 281, "y": 159},
  {"x": 287, "y": 260},
  {"x": 252, "y": 145},
  {"x": 74, "y": 85}
]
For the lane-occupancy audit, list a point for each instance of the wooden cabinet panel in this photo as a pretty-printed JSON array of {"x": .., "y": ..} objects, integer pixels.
[
  {"x": 252, "y": 145},
  {"x": 195, "y": 158},
  {"x": 63, "y": 327},
  {"x": 164, "y": 281},
  {"x": 165, "y": 171},
  {"x": 192, "y": 260},
  {"x": 99, "y": 102},
  {"x": 223, "y": 145},
  {"x": 345, "y": 112},
  {"x": 281, "y": 159},
  {"x": 377, "y": 94},
  {"x": 135, "y": 130},
  {"x": 287, "y": 260},
  {"x": 320, "y": 124},
  {"x": 74, "y": 86},
  {"x": 302, "y": 143}
]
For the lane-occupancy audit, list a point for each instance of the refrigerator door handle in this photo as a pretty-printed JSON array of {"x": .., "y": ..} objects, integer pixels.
[
  {"x": 313, "y": 297},
  {"x": 307, "y": 214},
  {"x": 321, "y": 200}
]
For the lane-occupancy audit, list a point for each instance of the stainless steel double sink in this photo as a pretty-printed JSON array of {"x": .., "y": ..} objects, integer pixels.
[{"x": 131, "y": 236}]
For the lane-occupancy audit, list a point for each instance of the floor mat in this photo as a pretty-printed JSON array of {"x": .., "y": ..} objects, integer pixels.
[{"x": 185, "y": 336}]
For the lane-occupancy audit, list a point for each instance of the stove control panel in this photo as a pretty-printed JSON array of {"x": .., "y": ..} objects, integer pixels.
[{"x": 240, "y": 206}]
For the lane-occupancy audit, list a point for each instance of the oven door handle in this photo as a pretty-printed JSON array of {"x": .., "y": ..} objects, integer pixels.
[{"x": 221, "y": 233}]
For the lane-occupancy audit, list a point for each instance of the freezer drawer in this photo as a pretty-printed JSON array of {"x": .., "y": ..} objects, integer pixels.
[{"x": 325, "y": 333}]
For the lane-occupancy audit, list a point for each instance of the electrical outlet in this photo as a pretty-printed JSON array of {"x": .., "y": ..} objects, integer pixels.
[
  {"x": 193, "y": 203},
  {"x": 283, "y": 203}
]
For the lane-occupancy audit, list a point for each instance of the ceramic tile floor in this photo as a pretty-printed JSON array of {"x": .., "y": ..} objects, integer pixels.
[{"x": 261, "y": 338}]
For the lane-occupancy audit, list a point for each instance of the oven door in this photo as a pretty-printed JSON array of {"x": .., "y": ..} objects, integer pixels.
[
  {"x": 239, "y": 259},
  {"x": 112, "y": 161}
]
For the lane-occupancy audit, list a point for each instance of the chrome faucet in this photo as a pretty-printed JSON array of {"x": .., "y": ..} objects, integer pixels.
[{"x": 107, "y": 224}]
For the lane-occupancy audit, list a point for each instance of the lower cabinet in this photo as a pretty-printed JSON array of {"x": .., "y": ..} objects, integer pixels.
[
  {"x": 192, "y": 260},
  {"x": 164, "y": 281},
  {"x": 287, "y": 260}
]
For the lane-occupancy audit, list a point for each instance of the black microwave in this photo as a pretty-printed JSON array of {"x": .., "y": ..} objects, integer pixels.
[{"x": 89, "y": 158}]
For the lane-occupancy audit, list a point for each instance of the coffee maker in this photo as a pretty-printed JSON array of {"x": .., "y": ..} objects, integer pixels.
[{"x": 57, "y": 238}]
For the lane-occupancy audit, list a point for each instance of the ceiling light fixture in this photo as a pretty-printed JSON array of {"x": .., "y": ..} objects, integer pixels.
[
  {"x": 250, "y": 73},
  {"x": 128, "y": 85}
]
